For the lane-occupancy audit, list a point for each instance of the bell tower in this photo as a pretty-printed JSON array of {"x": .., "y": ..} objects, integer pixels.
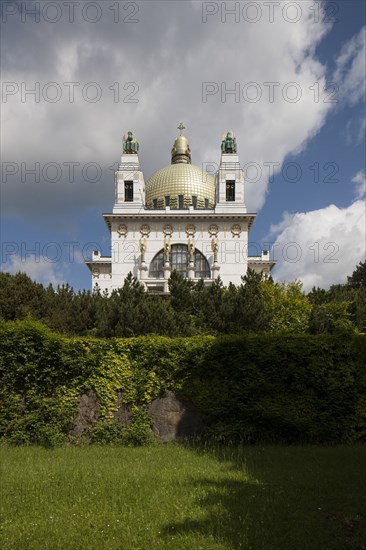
[
  {"x": 129, "y": 178},
  {"x": 230, "y": 178}
]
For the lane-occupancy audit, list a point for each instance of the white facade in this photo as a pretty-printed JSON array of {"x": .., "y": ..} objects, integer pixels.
[{"x": 181, "y": 218}]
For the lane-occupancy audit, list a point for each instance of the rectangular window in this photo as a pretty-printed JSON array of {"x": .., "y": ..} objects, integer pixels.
[
  {"x": 194, "y": 201},
  {"x": 230, "y": 190},
  {"x": 167, "y": 200},
  {"x": 180, "y": 201},
  {"x": 206, "y": 204},
  {"x": 129, "y": 191},
  {"x": 155, "y": 203}
]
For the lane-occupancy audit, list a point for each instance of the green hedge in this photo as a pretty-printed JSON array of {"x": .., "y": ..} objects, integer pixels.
[{"x": 249, "y": 388}]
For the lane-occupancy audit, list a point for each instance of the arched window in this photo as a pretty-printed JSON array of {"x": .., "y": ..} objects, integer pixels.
[{"x": 179, "y": 260}]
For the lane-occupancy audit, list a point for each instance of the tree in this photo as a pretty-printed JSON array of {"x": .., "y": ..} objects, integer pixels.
[
  {"x": 208, "y": 304},
  {"x": 125, "y": 308},
  {"x": 290, "y": 308},
  {"x": 20, "y": 297},
  {"x": 318, "y": 295},
  {"x": 358, "y": 277},
  {"x": 332, "y": 317},
  {"x": 182, "y": 301},
  {"x": 181, "y": 294},
  {"x": 249, "y": 311}
]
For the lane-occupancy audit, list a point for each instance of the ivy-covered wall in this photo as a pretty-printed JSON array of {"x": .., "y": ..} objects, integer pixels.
[{"x": 293, "y": 388}]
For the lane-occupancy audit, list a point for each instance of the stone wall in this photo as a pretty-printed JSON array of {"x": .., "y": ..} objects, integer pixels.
[{"x": 172, "y": 417}]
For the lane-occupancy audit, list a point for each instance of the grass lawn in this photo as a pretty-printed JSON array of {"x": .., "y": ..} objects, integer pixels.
[{"x": 174, "y": 497}]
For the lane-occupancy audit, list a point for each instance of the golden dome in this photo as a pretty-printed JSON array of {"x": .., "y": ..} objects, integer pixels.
[
  {"x": 180, "y": 180},
  {"x": 181, "y": 184}
]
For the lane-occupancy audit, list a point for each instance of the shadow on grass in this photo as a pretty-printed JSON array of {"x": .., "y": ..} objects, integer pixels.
[
  {"x": 225, "y": 506},
  {"x": 271, "y": 498}
]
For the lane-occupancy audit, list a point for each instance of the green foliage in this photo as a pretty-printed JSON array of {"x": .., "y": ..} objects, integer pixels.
[
  {"x": 35, "y": 420},
  {"x": 20, "y": 296},
  {"x": 332, "y": 317},
  {"x": 341, "y": 308},
  {"x": 289, "y": 307},
  {"x": 190, "y": 309},
  {"x": 249, "y": 309},
  {"x": 283, "y": 389},
  {"x": 106, "y": 433},
  {"x": 138, "y": 432},
  {"x": 358, "y": 277},
  {"x": 273, "y": 387}
]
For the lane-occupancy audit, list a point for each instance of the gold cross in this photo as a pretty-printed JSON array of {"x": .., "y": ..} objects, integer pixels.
[{"x": 181, "y": 127}]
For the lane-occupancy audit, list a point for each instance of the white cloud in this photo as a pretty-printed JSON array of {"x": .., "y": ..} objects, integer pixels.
[
  {"x": 37, "y": 268},
  {"x": 321, "y": 247},
  {"x": 360, "y": 188}
]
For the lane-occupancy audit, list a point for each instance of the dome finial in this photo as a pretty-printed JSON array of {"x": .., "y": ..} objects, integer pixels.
[{"x": 181, "y": 152}]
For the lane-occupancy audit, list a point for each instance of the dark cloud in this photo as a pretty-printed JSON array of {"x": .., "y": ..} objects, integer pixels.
[{"x": 162, "y": 62}]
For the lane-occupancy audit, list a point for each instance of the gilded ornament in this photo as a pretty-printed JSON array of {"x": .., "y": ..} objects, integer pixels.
[
  {"x": 168, "y": 230},
  {"x": 145, "y": 230},
  {"x": 167, "y": 248},
  {"x": 236, "y": 230},
  {"x": 143, "y": 245},
  {"x": 190, "y": 230},
  {"x": 213, "y": 230},
  {"x": 122, "y": 230},
  {"x": 215, "y": 247},
  {"x": 191, "y": 247}
]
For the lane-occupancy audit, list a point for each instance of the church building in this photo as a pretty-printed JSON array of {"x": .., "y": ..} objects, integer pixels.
[{"x": 182, "y": 218}]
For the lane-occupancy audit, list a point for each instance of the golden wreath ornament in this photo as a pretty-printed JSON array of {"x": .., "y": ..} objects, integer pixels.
[
  {"x": 122, "y": 230},
  {"x": 190, "y": 230},
  {"x": 236, "y": 230},
  {"x": 145, "y": 230},
  {"x": 168, "y": 230},
  {"x": 213, "y": 230}
]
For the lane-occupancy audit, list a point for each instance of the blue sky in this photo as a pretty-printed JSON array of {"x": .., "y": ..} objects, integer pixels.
[{"x": 160, "y": 56}]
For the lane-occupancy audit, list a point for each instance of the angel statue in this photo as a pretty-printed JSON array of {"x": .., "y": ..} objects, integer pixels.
[
  {"x": 191, "y": 247},
  {"x": 228, "y": 144},
  {"x": 143, "y": 247},
  {"x": 130, "y": 144},
  {"x": 167, "y": 248},
  {"x": 215, "y": 248}
]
